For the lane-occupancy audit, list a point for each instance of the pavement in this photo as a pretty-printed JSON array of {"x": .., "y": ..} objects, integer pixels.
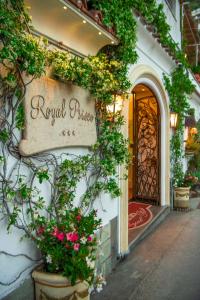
[{"x": 164, "y": 266}]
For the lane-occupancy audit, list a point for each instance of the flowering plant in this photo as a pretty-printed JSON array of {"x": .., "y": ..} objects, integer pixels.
[
  {"x": 68, "y": 245},
  {"x": 189, "y": 180},
  {"x": 183, "y": 180},
  {"x": 64, "y": 234}
]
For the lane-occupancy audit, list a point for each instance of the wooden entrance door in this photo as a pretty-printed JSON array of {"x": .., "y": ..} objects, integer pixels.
[{"x": 144, "y": 173}]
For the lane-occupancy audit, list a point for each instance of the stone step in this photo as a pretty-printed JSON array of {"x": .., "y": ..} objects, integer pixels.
[{"x": 159, "y": 218}]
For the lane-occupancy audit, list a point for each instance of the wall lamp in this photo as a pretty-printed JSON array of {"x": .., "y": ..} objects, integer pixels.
[
  {"x": 173, "y": 119},
  {"x": 193, "y": 130},
  {"x": 117, "y": 105}
]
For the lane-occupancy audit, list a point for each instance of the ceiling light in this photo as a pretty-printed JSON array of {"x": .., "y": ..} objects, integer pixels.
[
  {"x": 99, "y": 32},
  {"x": 84, "y": 21},
  {"x": 65, "y": 7},
  {"x": 112, "y": 42}
]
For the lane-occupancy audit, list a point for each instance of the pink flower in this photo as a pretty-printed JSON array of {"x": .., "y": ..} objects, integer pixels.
[
  {"x": 55, "y": 232},
  {"x": 60, "y": 236},
  {"x": 40, "y": 230},
  {"x": 69, "y": 236},
  {"x": 76, "y": 247},
  {"x": 78, "y": 218},
  {"x": 89, "y": 238},
  {"x": 72, "y": 236}
]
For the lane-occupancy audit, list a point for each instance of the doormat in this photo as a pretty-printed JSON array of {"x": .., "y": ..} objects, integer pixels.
[{"x": 139, "y": 214}]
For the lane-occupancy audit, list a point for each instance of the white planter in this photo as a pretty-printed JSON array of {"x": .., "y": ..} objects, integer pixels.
[
  {"x": 49, "y": 286},
  {"x": 181, "y": 197}
]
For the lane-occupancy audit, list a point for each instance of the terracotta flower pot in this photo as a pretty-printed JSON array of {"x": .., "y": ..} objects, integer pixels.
[
  {"x": 181, "y": 197},
  {"x": 49, "y": 286}
]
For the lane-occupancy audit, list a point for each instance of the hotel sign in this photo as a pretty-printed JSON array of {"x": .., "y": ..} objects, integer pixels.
[{"x": 57, "y": 115}]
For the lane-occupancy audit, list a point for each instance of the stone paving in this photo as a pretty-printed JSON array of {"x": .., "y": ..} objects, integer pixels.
[{"x": 165, "y": 266}]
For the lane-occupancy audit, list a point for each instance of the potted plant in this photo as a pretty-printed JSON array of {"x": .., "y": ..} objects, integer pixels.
[
  {"x": 182, "y": 184},
  {"x": 68, "y": 246},
  {"x": 66, "y": 237},
  {"x": 181, "y": 193}
]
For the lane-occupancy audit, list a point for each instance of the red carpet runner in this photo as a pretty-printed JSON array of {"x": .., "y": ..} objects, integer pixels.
[{"x": 139, "y": 214}]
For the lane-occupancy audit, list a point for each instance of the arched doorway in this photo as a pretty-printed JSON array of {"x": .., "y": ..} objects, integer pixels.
[
  {"x": 144, "y": 136},
  {"x": 147, "y": 76}
]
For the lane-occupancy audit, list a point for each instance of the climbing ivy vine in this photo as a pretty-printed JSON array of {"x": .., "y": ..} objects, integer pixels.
[
  {"x": 23, "y": 58},
  {"x": 179, "y": 87},
  {"x": 104, "y": 75},
  {"x": 120, "y": 15}
]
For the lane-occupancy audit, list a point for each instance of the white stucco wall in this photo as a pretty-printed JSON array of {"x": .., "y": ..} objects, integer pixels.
[
  {"x": 151, "y": 52},
  {"x": 173, "y": 19}
]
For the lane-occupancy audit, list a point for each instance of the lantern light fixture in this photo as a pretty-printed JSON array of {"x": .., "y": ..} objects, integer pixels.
[
  {"x": 117, "y": 105},
  {"x": 193, "y": 130},
  {"x": 173, "y": 119}
]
